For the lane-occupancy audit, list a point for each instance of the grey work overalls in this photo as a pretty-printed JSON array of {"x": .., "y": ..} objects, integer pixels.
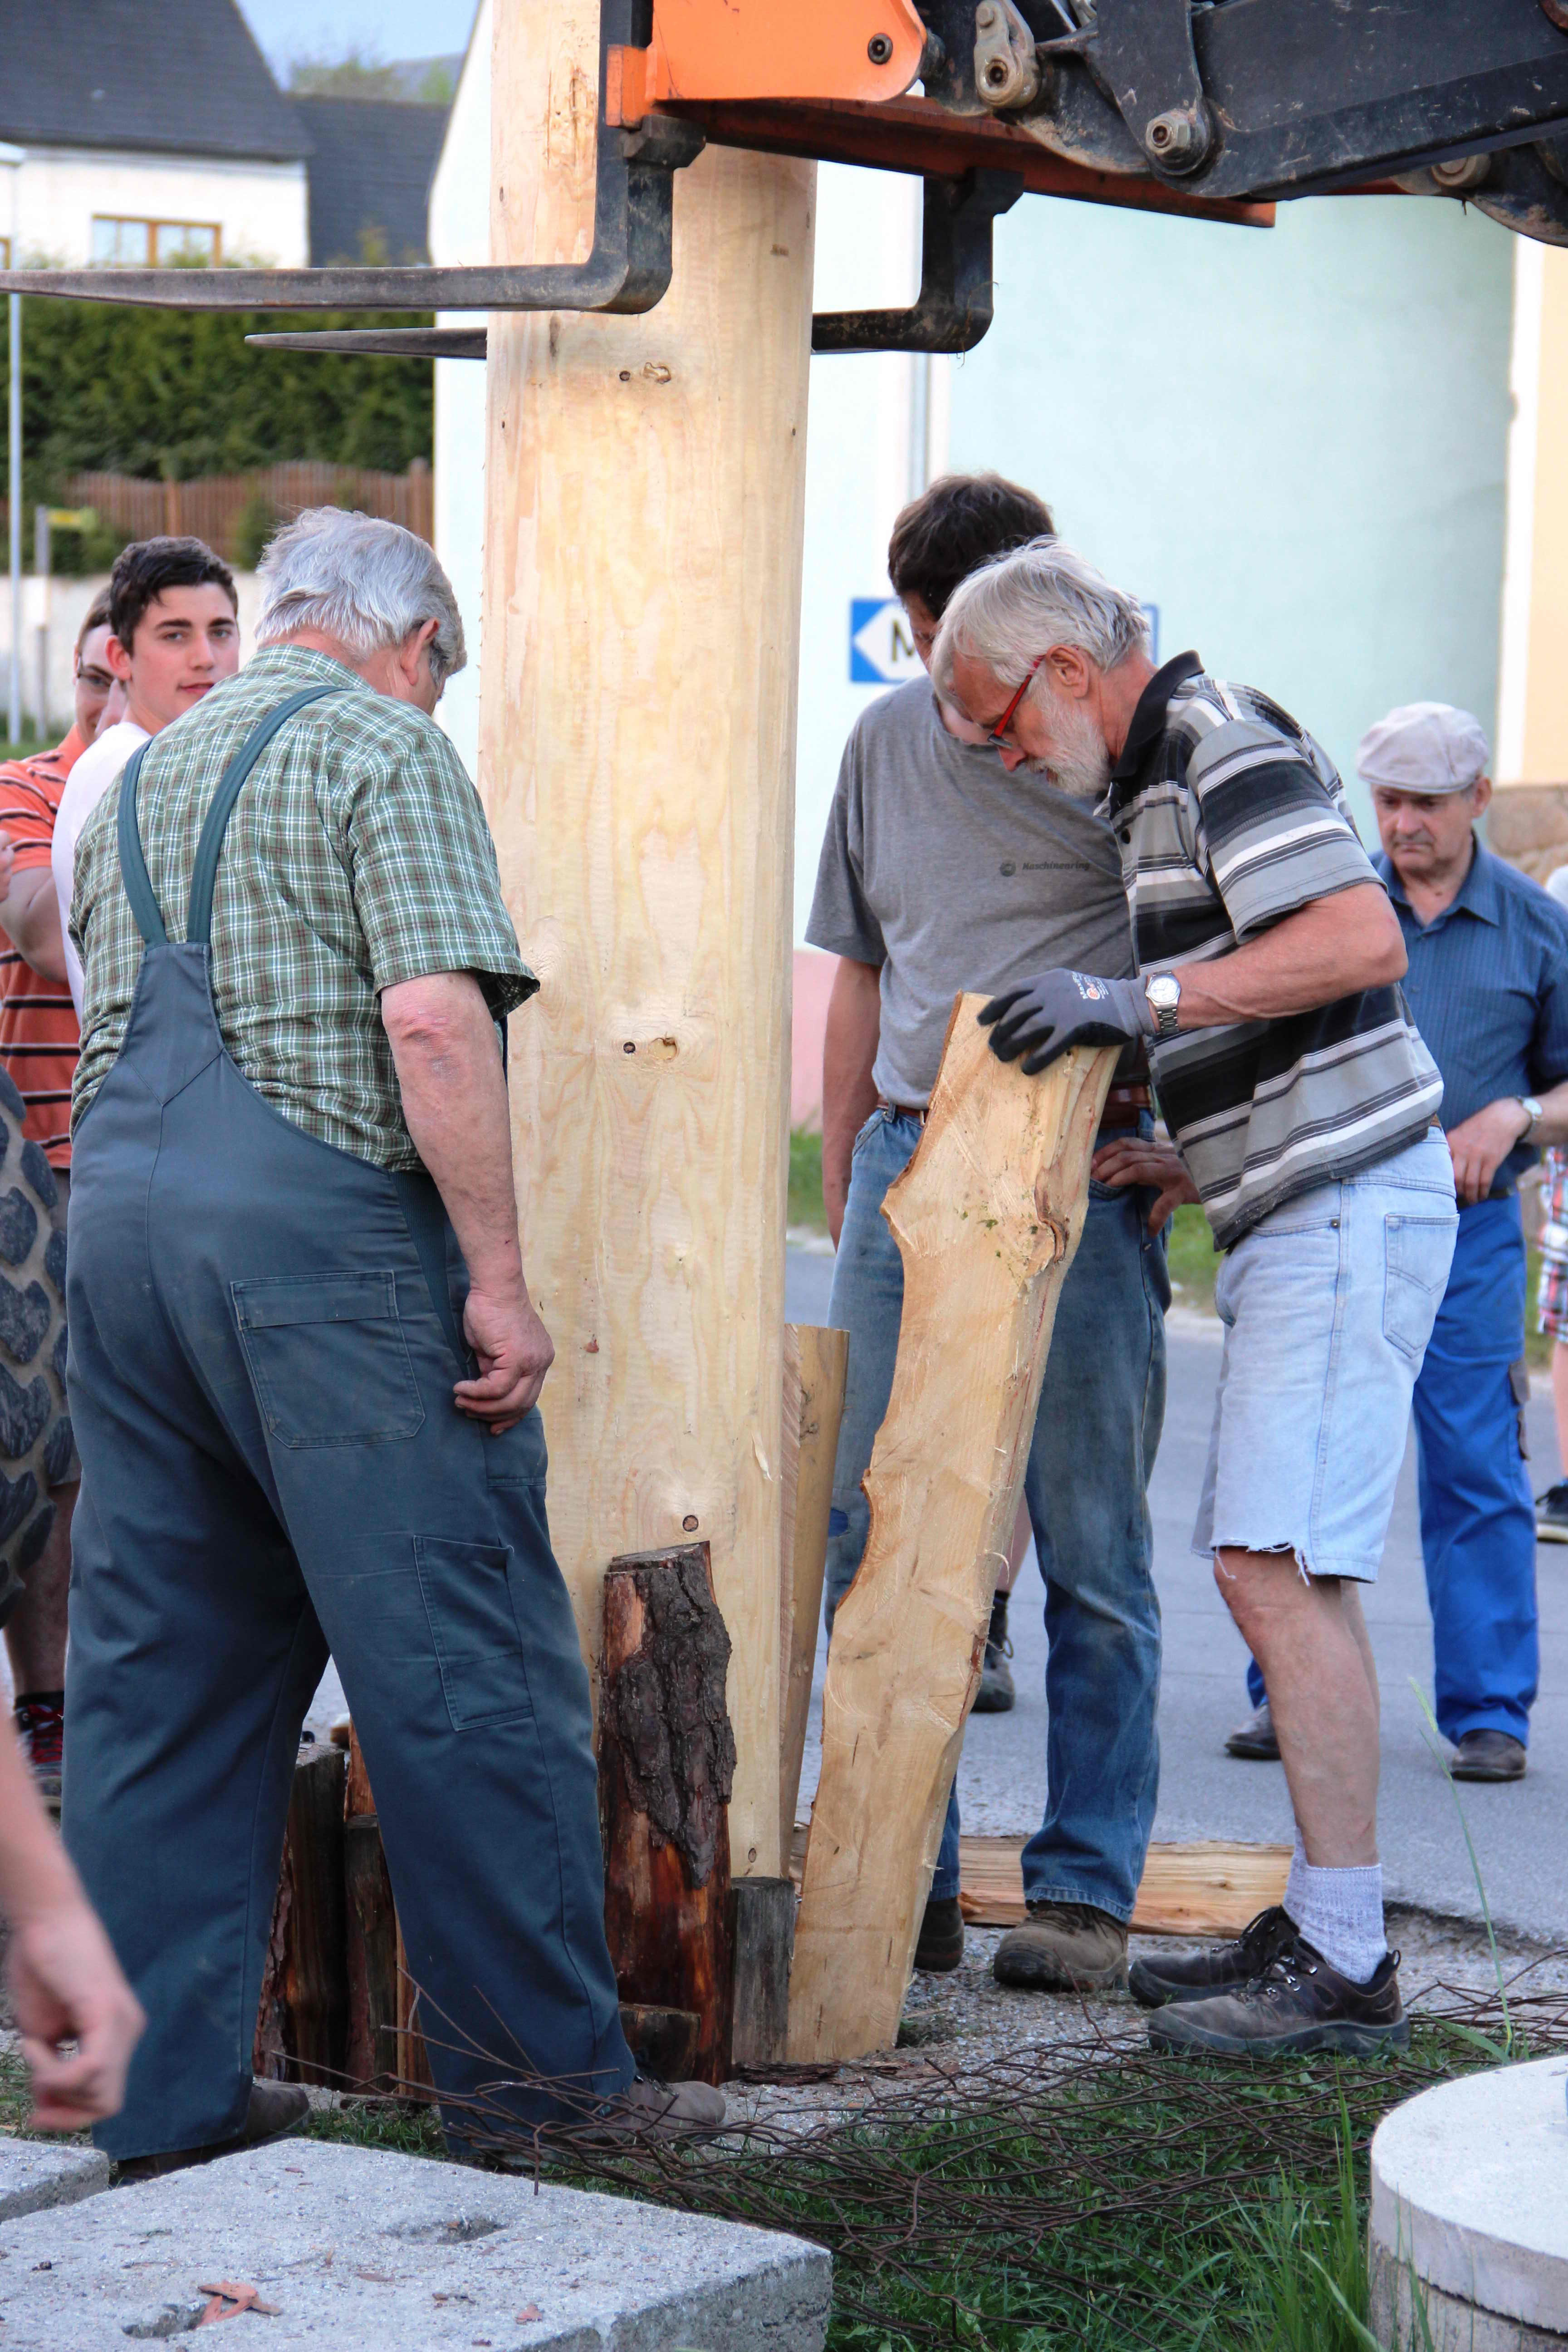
[{"x": 264, "y": 1335}]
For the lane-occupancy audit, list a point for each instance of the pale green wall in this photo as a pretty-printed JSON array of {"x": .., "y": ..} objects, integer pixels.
[{"x": 1290, "y": 440}]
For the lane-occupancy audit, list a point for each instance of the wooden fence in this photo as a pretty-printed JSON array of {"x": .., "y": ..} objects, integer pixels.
[{"x": 226, "y": 510}]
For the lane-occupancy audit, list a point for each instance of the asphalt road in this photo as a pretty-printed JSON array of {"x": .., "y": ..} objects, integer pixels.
[{"x": 1519, "y": 1830}]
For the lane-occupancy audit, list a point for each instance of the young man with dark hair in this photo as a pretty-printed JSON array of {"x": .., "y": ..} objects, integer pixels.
[
  {"x": 948, "y": 866},
  {"x": 175, "y": 622},
  {"x": 38, "y": 1041}
]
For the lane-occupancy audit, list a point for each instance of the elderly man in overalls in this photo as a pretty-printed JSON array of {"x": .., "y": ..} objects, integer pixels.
[{"x": 303, "y": 1372}]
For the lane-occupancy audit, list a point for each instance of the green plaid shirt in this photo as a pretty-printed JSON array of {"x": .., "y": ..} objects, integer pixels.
[{"x": 357, "y": 856}]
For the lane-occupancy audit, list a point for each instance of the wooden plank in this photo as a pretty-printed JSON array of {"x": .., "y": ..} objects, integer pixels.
[
  {"x": 1201, "y": 1887},
  {"x": 1205, "y": 1887},
  {"x": 666, "y": 1761},
  {"x": 762, "y": 1934},
  {"x": 302, "y": 2022},
  {"x": 645, "y": 517},
  {"x": 986, "y": 1217},
  {"x": 816, "y": 1362}
]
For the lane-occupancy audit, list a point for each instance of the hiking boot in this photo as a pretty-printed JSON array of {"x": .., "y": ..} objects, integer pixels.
[
  {"x": 1064, "y": 1947},
  {"x": 1218, "y": 1968},
  {"x": 645, "y": 2111},
  {"x": 941, "y": 1946},
  {"x": 41, "y": 1718},
  {"x": 1299, "y": 2004},
  {"x": 1254, "y": 1741},
  {"x": 997, "y": 1694},
  {"x": 276, "y": 2110},
  {"x": 1487, "y": 1756},
  {"x": 1551, "y": 1514}
]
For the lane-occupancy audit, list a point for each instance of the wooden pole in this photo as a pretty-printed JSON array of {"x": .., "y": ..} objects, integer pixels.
[
  {"x": 816, "y": 1361},
  {"x": 302, "y": 2022},
  {"x": 371, "y": 1929},
  {"x": 986, "y": 1216},
  {"x": 645, "y": 504},
  {"x": 666, "y": 1759}
]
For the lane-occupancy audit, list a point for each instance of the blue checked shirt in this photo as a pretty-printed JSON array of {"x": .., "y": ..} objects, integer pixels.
[
  {"x": 356, "y": 856},
  {"x": 1489, "y": 987}
]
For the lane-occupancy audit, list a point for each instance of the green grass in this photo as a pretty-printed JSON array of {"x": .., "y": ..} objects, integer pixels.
[
  {"x": 806, "y": 1180},
  {"x": 1194, "y": 1259}
]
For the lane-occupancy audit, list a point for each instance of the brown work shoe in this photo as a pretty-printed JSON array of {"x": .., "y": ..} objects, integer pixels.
[
  {"x": 1299, "y": 2004},
  {"x": 1256, "y": 1741},
  {"x": 1216, "y": 1967},
  {"x": 1064, "y": 1947},
  {"x": 941, "y": 1946},
  {"x": 647, "y": 2110},
  {"x": 1489, "y": 1756},
  {"x": 276, "y": 2110}
]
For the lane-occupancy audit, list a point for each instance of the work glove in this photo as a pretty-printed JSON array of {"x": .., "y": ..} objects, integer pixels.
[{"x": 1061, "y": 1009}]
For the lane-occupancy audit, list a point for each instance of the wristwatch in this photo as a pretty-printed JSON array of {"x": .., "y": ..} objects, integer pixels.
[
  {"x": 1533, "y": 1113},
  {"x": 1164, "y": 992}
]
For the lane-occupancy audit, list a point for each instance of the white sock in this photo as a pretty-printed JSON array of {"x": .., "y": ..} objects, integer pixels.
[{"x": 1340, "y": 1912}]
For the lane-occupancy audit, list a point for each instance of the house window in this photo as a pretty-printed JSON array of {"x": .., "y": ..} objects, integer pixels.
[{"x": 121, "y": 243}]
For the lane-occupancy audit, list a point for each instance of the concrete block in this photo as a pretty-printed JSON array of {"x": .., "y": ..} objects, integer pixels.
[
  {"x": 1470, "y": 2211},
  {"x": 36, "y": 2172},
  {"x": 371, "y": 2252}
]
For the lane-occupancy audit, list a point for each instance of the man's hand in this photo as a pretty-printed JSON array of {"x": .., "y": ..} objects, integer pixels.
[
  {"x": 1061, "y": 1009},
  {"x": 514, "y": 1352},
  {"x": 66, "y": 1986},
  {"x": 1479, "y": 1145},
  {"x": 1132, "y": 1160}
]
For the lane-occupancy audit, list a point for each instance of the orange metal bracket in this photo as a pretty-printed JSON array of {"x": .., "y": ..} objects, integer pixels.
[{"x": 857, "y": 49}]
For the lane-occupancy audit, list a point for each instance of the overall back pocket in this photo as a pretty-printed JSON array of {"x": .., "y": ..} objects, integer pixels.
[{"x": 328, "y": 1358}]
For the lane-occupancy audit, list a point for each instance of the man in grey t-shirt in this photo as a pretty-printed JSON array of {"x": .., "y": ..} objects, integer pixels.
[{"x": 947, "y": 866}]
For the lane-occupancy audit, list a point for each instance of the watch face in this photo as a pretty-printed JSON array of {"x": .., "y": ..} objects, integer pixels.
[{"x": 1164, "y": 992}]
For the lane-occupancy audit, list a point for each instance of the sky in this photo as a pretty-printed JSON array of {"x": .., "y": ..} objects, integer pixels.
[{"x": 386, "y": 30}]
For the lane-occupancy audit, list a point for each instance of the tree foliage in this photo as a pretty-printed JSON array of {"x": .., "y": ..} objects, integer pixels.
[{"x": 172, "y": 395}]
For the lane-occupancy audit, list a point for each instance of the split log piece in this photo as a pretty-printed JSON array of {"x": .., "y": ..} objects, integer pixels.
[
  {"x": 667, "y": 1761},
  {"x": 762, "y": 1935},
  {"x": 986, "y": 1216},
  {"x": 302, "y": 2023},
  {"x": 371, "y": 2059},
  {"x": 816, "y": 1362},
  {"x": 662, "y": 2041}
]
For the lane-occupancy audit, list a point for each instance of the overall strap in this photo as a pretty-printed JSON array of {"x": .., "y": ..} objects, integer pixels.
[
  {"x": 204, "y": 874},
  {"x": 132, "y": 865}
]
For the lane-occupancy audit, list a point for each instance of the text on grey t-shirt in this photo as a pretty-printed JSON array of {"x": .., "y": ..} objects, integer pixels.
[{"x": 951, "y": 874}]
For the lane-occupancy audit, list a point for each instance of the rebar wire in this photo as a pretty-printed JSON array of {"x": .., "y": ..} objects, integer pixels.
[{"x": 1052, "y": 2168}]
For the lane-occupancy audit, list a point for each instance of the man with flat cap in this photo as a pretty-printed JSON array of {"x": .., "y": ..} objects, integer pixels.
[{"x": 1487, "y": 983}]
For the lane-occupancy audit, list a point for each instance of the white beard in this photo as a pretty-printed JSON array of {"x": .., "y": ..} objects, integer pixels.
[{"x": 1080, "y": 766}]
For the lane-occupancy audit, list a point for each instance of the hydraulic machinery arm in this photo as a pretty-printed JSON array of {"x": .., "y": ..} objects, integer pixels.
[{"x": 1211, "y": 108}]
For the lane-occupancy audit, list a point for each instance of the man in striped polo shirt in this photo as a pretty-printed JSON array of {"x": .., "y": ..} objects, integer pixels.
[
  {"x": 1302, "y": 1104},
  {"x": 39, "y": 1042}
]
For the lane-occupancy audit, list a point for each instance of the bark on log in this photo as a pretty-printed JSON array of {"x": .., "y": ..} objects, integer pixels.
[
  {"x": 761, "y": 1932},
  {"x": 303, "y": 2022},
  {"x": 986, "y": 1216},
  {"x": 667, "y": 1761},
  {"x": 662, "y": 2041},
  {"x": 814, "y": 1366},
  {"x": 369, "y": 2061}
]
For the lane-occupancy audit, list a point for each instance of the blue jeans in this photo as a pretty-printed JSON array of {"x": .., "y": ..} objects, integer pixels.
[{"x": 1095, "y": 1439}]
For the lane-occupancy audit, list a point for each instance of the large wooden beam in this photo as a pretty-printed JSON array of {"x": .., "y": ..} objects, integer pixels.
[
  {"x": 644, "y": 503},
  {"x": 986, "y": 1216}
]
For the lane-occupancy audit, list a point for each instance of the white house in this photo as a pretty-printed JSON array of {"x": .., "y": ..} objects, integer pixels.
[{"x": 152, "y": 131}]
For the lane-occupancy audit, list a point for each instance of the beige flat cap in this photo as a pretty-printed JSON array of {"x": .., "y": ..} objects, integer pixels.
[{"x": 1423, "y": 747}]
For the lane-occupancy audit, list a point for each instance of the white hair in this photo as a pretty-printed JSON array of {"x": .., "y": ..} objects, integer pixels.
[
  {"x": 367, "y": 584},
  {"x": 1017, "y": 606}
]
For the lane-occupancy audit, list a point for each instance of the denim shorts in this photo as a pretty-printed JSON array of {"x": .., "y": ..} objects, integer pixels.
[{"x": 1327, "y": 1305}]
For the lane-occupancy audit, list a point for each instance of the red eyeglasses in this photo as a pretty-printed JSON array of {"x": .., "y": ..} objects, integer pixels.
[{"x": 998, "y": 734}]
